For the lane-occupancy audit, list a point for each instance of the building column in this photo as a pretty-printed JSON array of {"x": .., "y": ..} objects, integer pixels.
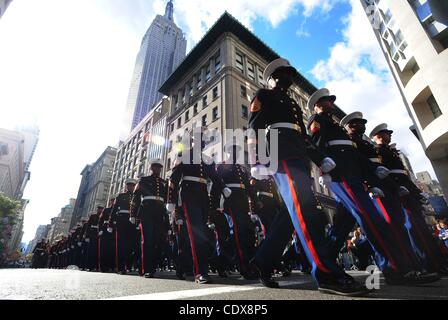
[{"x": 440, "y": 168}]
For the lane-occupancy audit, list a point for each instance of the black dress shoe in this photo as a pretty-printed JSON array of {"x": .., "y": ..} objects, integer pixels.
[
  {"x": 412, "y": 278},
  {"x": 122, "y": 272},
  {"x": 203, "y": 279},
  {"x": 264, "y": 277},
  {"x": 343, "y": 287},
  {"x": 416, "y": 277},
  {"x": 149, "y": 275}
]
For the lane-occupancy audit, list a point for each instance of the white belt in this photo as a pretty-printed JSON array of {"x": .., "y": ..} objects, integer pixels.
[
  {"x": 236, "y": 185},
  {"x": 153, "y": 198},
  {"x": 377, "y": 160},
  {"x": 268, "y": 194},
  {"x": 123, "y": 211},
  {"x": 398, "y": 171},
  {"x": 95, "y": 227},
  {"x": 195, "y": 179},
  {"x": 340, "y": 143},
  {"x": 285, "y": 125}
]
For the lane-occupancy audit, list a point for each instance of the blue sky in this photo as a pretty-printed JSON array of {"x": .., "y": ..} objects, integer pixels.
[
  {"x": 66, "y": 65},
  {"x": 304, "y": 40}
]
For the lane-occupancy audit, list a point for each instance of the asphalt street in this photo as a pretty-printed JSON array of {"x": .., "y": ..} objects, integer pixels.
[{"x": 38, "y": 284}]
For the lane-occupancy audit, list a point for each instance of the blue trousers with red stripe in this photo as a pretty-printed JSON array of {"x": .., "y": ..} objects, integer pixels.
[
  {"x": 294, "y": 185},
  {"x": 425, "y": 246},
  {"x": 392, "y": 211},
  {"x": 351, "y": 196},
  {"x": 237, "y": 207},
  {"x": 196, "y": 220}
]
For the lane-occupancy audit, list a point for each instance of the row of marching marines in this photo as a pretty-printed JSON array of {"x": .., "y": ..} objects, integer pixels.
[{"x": 221, "y": 218}]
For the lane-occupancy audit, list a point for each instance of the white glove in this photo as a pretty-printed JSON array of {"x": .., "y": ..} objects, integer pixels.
[
  {"x": 132, "y": 220},
  {"x": 254, "y": 218},
  {"x": 227, "y": 192},
  {"x": 109, "y": 230},
  {"x": 382, "y": 172},
  {"x": 170, "y": 207},
  {"x": 325, "y": 180},
  {"x": 211, "y": 226},
  {"x": 79, "y": 243},
  {"x": 376, "y": 192},
  {"x": 403, "y": 191},
  {"x": 100, "y": 233},
  {"x": 179, "y": 222},
  {"x": 327, "y": 165},
  {"x": 260, "y": 172},
  {"x": 87, "y": 240},
  {"x": 170, "y": 232},
  {"x": 73, "y": 247}
]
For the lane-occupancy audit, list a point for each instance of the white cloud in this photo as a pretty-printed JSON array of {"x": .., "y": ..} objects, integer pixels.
[
  {"x": 357, "y": 73},
  {"x": 198, "y": 20}
]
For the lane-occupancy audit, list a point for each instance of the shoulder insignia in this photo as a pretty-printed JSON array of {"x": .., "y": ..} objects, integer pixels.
[
  {"x": 255, "y": 105},
  {"x": 314, "y": 127}
]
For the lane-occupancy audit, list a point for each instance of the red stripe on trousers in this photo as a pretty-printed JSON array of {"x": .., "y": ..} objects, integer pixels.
[
  {"x": 369, "y": 222},
  {"x": 396, "y": 234},
  {"x": 192, "y": 242},
  {"x": 422, "y": 238},
  {"x": 237, "y": 240},
  {"x": 306, "y": 234},
  {"x": 143, "y": 248}
]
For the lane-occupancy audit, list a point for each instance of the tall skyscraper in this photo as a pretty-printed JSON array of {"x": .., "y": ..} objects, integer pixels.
[
  {"x": 3, "y": 5},
  {"x": 163, "y": 47},
  {"x": 413, "y": 35}
]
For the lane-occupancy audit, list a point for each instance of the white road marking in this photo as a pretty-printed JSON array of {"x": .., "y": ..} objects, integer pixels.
[{"x": 185, "y": 294}]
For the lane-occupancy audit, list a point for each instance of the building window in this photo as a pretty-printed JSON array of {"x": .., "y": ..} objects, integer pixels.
[
  {"x": 243, "y": 91},
  {"x": 204, "y": 120},
  {"x": 141, "y": 169},
  {"x": 215, "y": 93},
  {"x": 215, "y": 113},
  {"x": 190, "y": 91},
  {"x": 204, "y": 102},
  {"x": 207, "y": 74},
  {"x": 260, "y": 76},
  {"x": 187, "y": 115},
  {"x": 195, "y": 109},
  {"x": 239, "y": 62},
  {"x": 147, "y": 126},
  {"x": 250, "y": 71},
  {"x": 217, "y": 63},
  {"x": 199, "y": 81},
  {"x": 434, "y": 107},
  {"x": 172, "y": 127},
  {"x": 169, "y": 164},
  {"x": 170, "y": 145},
  {"x": 175, "y": 100},
  {"x": 183, "y": 95},
  {"x": 143, "y": 154},
  {"x": 244, "y": 112},
  {"x": 179, "y": 122}
]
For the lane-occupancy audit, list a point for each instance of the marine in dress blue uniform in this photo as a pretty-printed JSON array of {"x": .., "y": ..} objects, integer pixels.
[
  {"x": 352, "y": 169},
  {"x": 412, "y": 199},
  {"x": 148, "y": 205},
  {"x": 189, "y": 182},
  {"x": 275, "y": 109}
]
